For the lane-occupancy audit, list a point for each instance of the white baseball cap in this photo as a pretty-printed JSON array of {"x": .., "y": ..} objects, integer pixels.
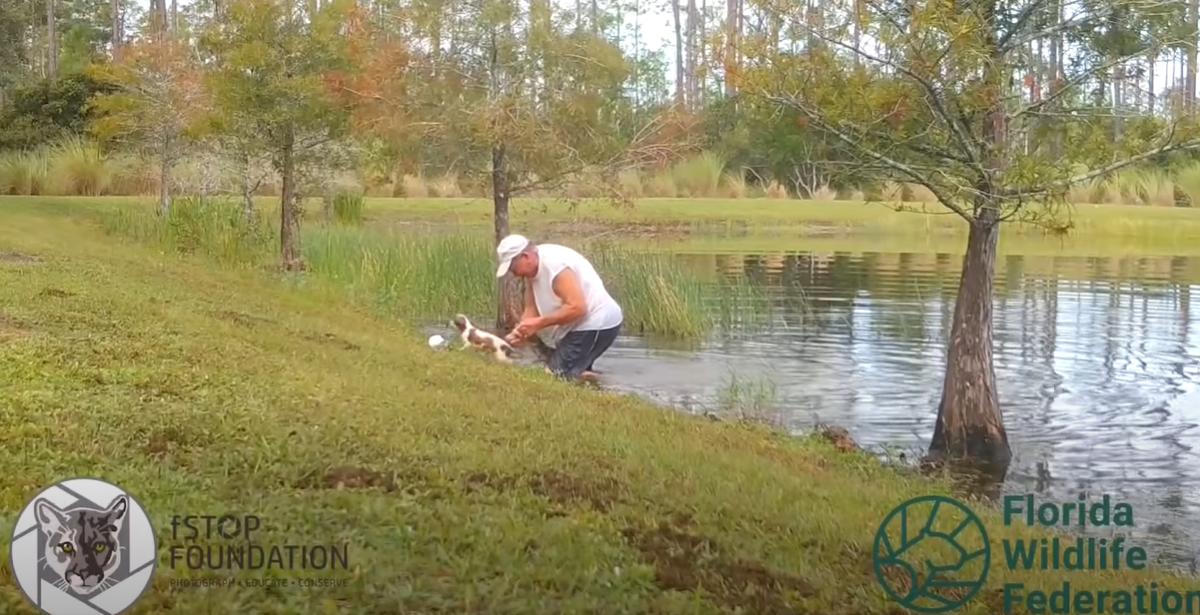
[{"x": 508, "y": 249}]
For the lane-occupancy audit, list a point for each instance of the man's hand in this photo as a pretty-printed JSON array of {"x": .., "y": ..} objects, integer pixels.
[{"x": 524, "y": 329}]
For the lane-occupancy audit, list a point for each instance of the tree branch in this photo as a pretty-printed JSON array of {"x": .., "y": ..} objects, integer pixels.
[
  {"x": 970, "y": 146},
  {"x": 887, "y": 161},
  {"x": 1108, "y": 170}
]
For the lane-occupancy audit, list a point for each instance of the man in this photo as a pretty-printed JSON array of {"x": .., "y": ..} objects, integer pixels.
[{"x": 564, "y": 298}]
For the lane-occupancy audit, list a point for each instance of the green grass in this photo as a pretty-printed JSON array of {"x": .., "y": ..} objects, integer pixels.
[
  {"x": 467, "y": 486},
  {"x": 348, "y": 207},
  {"x": 1121, "y": 225},
  {"x": 768, "y": 241},
  {"x": 830, "y": 216},
  {"x": 750, "y": 398},
  {"x": 430, "y": 277}
]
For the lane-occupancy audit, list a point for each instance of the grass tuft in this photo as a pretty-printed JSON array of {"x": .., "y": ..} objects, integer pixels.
[
  {"x": 700, "y": 175},
  {"x": 77, "y": 166},
  {"x": 24, "y": 173},
  {"x": 348, "y": 207},
  {"x": 750, "y": 399}
]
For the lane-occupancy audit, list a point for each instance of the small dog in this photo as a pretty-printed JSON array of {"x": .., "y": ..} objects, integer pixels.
[{"x": 483, "y": 341}]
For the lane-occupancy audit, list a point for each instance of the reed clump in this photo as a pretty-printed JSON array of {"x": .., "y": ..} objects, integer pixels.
[{"x": 427, "y": 276}]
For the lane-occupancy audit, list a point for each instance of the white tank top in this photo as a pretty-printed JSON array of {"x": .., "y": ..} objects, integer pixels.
[{"x": 603, "y": 312}]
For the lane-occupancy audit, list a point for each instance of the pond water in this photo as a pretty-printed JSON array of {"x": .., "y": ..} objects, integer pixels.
[{"x": 1097, "y": 361}]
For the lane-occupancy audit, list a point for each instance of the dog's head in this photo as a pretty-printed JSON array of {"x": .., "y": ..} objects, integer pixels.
[{"x": 461, "y": 322}]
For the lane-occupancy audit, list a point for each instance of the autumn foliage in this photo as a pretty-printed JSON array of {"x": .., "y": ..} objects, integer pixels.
[{"x": 160, "y": 92}]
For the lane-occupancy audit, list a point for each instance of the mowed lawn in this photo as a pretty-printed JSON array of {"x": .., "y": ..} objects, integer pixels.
[
  {"x": 461, "y": 486},
  {"x": 1113, "y": 223}
]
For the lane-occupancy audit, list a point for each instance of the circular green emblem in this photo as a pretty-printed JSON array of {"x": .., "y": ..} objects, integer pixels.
[{"x": 931, "y": 554}]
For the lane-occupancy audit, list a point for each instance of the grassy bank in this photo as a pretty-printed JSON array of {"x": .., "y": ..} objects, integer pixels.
[
  {"x": 429, "y": 277},
  {"x": 1156, "y": 223},
  {"x": 205, "y": 390},
  {"x": 1125, "y": 228},
  {"x": 766, "y": 242}
]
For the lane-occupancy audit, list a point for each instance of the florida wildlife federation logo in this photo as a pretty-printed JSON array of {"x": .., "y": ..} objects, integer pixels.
[
  {"x": 931, "y": 554},
  {"x": 83, "y": 547}
]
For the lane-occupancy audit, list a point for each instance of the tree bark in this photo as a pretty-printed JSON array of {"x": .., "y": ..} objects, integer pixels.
[
  {"x": 970, "y": 428},
  {"x": 117, "y": 34},
  {"x": 327, "y": 200},
  {"x": 509, "y": 292},
  {"x": 247, "y": 192},
  {"x": 51, "y": 41},
  {"x": 969, "y": 423},
  {"x": 159, "y": 18},
  {"x": 289, "y": 225},
  {"x": 1189, "y": 95},
  {"x": 164, "y": 178},
  {"x": 679, "y": 81}
]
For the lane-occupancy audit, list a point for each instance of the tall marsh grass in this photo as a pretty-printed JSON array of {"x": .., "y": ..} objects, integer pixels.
[
  {"x": 428, "y": 277},
  {"x": 24, "y": 173},
  {"x": 215, "y": 228},
  {"x": 750, "y": 399},
  {"x": 348, "y": 207},
  {"x": 422, "y": 276},
  {"x": 77, "y": 167}
]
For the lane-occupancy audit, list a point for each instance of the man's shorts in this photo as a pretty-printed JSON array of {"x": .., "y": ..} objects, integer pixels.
[{"x": 578, "y": 350}]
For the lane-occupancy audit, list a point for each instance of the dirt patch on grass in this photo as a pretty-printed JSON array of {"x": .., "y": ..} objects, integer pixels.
[
  {"x": 18, "y": 258},
  {"x": 329, "y": 338},
  {"x": 245, "y": 320},
  {"x": 412, "y": 476},
  {"x": 687, "y": 562},
  {"x": 55, "y": 293},
  {"x": 157, "y": 443},
  {"x": 11, "y": 328},
  {"x": 561, "y": 488},
  {"x": 349, "y": 477},
  {"x": 476, "y": 481}
]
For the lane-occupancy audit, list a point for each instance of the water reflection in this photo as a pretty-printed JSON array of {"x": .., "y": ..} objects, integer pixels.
[{"x": 1097, "y": 361}]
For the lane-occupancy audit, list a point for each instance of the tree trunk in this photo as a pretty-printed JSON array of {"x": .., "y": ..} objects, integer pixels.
[
  {"x": 327, "y": 201},
  {"x": 969, "y": 423},
  {"x": 509, "y": 293},
  {"x": 679, "y": 83},
  {"x": 1189, "y": 95},
  {"x": 164, "y": 179},
  {"x": 693, "y": 55},
  {"x": 117, "y": 34},
  {"x": 289, "y": 225},
  {"x": 1117, "y": 74},
  {"x": 247, "y": 192},
  {"x": 1151, "y": 86},
  {"x": 51, "y": 41},
  {"x": 158, "y": 17},
  {"x": 731, "y": 44},
  {"x": 856, "y": 33},
  {"x": 970, "y": 427}
]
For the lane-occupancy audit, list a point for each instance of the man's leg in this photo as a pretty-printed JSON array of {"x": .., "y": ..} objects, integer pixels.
[
  {"x": 577, "y": 351},
  {"x": 604, "y": 341}
]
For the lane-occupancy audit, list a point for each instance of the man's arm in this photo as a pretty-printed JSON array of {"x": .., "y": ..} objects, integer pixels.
[
  {"x": 566, "y": 288},
  {"x": 530, "y": 303}
]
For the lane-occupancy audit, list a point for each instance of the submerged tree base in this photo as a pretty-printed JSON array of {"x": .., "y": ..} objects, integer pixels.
[{"x": 980, "y": 447}]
